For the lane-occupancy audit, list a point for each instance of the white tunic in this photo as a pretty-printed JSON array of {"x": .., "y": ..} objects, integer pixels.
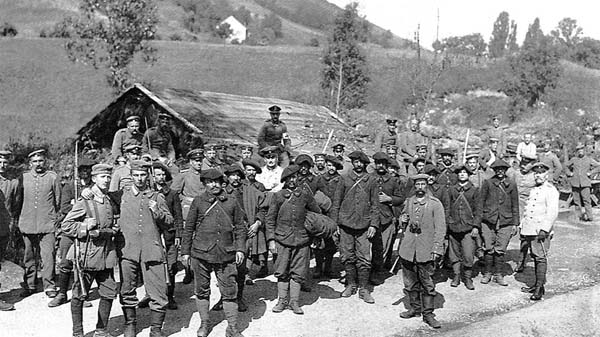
[
  {"x": 541, "y": 209},
  {"x": 271, "y": 178}
]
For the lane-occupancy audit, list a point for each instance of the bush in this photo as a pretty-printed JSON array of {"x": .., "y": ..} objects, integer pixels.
[
  {"x": 314, "y": 42},
  {"x": 8, "y": 30},
  {"x": 175, "y": 37}
]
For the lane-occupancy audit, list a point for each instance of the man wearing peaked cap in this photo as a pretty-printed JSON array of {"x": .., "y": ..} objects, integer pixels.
[
  {"x": 274, "y": 133},
  {"x": 579, "y": 169},
  {"x": 8, "y": 212},
  {"x": 338, "y": 151},
  {"x": 496, "y": 131},
  {"x": 489, "y": 154},
  {"x": 271, "y": 172},
  {"x": 320, "y": 167},
  {"x": 389, "y": 136},
  {"x": 479, "y": 174},
  {"x": 158, "y": 140},
  {"x": 195, "y": 154},
  {"x": 188, "y": 184},
  {"x": 130, "y": 135}
]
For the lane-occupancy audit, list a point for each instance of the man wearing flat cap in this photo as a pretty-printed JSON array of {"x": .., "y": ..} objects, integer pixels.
[
  {"x": 124, "y": 137},
  {"x": 91, "y": 224},
  {"x": 9, "y": 206},
  {"x": 320, "y": 167},
  {"x": 188, "y": 183},
  {"x": 214, "y": 239},
  {"x": 39, "y": 220},
  {"x": 271, "y": 172},
  {"x": 540, "y": 212},
  {"x": 499, "y": 200},
  {"x": 389, "y": 196},
  {"x": 389, "y": 136},
  {"x": 356, "y": 208},
  {"x": 287, "y": 237},
  {"x": 274, "y": 133},
  {"x": 158, "y": 140},
  {"x": 422, "y": 246},
  {"x": 464, "y": 224},
  {"x": 122, "y": 175},
  {"x": 579, "y": 169}
]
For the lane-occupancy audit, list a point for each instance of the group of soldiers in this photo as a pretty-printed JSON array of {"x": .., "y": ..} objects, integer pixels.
[{"x": 129, "y": 223}]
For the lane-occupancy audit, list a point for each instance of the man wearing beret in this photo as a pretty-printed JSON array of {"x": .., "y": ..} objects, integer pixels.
[
  {"x": 463, "y": 227},
  {"x": 9, "y": 205},
  {"x": 122, "y": 175},
  {"x": 271, "y": 172},
  {"x": 386, "y": 137},
  {"x": 38, "y": 221},
  {"x": 288, "y": 238},
  {"x": 499, "y": 200},
  {"x": 540, "y": 212},
  {"x": 274, "y": 133},
  {"x": 320, "y": 167},
  {"x": 124, "y": 137},
  {"x": 579, "y": 170},
  {"x": 423, "y": 217},
  {"x": 356, "y": 208},
  {"x": 91, "y": 224},
  {"x": 390, "y": 196},
  {"x": 214, "y": 239},
  {"x": 160, "y": 139}
]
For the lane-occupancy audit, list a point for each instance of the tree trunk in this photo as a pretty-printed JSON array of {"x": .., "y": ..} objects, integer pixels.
[{"x": 339, "y": 92}]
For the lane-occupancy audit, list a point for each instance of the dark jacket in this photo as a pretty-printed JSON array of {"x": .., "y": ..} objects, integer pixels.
[
  {"x": 357, "y": 201},
  {"x": 390, "y": 186},
  {"x": 286, "y": 216},
  {"x": 272, "y": 134},
  {"x": 174, "y": 205},
  {"x": 328, "y": 184},
  {"x": 499, "y": 202},
  {"x": 443, "y": 196},
  {"x": 215, "y": 228},
  {"x": 447, "y": 176},
  {"x": 464, "y": 208}
]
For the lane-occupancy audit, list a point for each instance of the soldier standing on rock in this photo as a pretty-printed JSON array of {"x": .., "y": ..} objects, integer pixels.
[
  {"x": 124, "y": 137},
  {"x": 274, "y": 133},
  {"x": 386, "y": 137},
  {"x": 422, "y": 246}
]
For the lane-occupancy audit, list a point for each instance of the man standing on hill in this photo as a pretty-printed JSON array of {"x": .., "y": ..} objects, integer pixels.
[
  {"x": 497, "y": 132},
  {"x": 161, "y": 142},
  {"x": 579, "y": 169},
  {"x": 551, "y": 160},
  {"x": 9, "y": 201},
  {"x": 386, "y": 137},
  {"x": 409, "y": 139},
  {"x": 274, "y": 133},
  {"x": 38, "y": 222},
  {"x": 124, "y": 137}
]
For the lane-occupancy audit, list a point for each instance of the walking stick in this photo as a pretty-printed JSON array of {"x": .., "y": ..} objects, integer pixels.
[
  {"x": 466, "y": 145},
  {"x": 78, "y": 271},
  {"x": 328, "y": 140}
]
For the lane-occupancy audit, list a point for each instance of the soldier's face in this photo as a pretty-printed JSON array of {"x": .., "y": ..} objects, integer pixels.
[
  {"x": 493, "y": 146},
  {"x": 275, "y": 117},
  {"x": 164, "y": 123},
  {"x": 160, "y": 176},
  {"x": 292, "y": 181},
  {"x": 102, "y": 181},
  {"x": 338, "y": 152},
  {"x": 37, "y": 163},
  {"x": 133, "y": 126},
  {"x": 271, "y": 160},
  {"x": 214, "y": 186},
  {"x": 540, "y": 176},
  {"x": 422, "y": 152},
  {"x": 391, "y": 127},
  {"x": 131, "y": 156},
  {"x": 246, "y": 154},
  {"x": 211, "y": 154},
  {"x": 447, "y": 159},
  {"x": 320, "y": 162},
  {"x": 496, "y": 122},
  {"x": 420, "y": 187},
  {"x": 472, "y": 164},
  {"x": 420, "y": 166},
  {"x": 139, "y": 178},
  {"x": 358, "y": 165},
  {"x": 432, "y": 178},
  {"x": 381, "y": 166},
  {"x": 463, "y": 176},
  {"x": 331, "y": 169},
  {"x": 196, "y": 163},
  {"x": 392, "y": 153},
  {"x": 234, "y": 179},
  {"x": 500, "y": 172},
  {"x": 546, "y": 147},
  {"x": 414, "y": 126},
  {"x": 250, "y": 172},
  {"x": 304, "y": 169},
  {"x": 3, "y": 164}
]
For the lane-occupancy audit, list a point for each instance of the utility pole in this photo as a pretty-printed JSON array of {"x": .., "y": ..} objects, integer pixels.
[
  {"x": 437, "y": 31},
  {"x": 418, "y": 42}
]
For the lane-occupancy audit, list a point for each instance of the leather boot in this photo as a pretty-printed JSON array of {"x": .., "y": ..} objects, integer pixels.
[
  {"x": 156, "y": 322},
  {"x": 468, "y": 278},
  {"x": 456, "y": 279},
  {"x": 203, "y": 306},
  {"x": 295, "y": 298},
  {"x": 498, "y": 277},
  {"x": 428, "y": 315},
  {"x": 103, "y": 315},
  {"x": 144, "y": 302},
  {"x": 363, "y": 282},
  {"x": 77, "y": 316},
  {"x": 414, "y": 309},
  {"x": 242, "y": 307},
  {"x": 172, "y": 305},
  {"x": 488, "y": 264},
  {"x": 283, "y": 292},
  {"x": 189, "y": 275},
  {"x": 532, "y": 288},
  {"x": 351, "y": 276},
  {"x": 231, "y": 314},
  {"x": 327, "y": 271},
  {"x": 63, "y": 284},
  {"x": 130, "y": 321},
  {"x": 540, "y": 280},
  {"x": 318, "y": 273}
]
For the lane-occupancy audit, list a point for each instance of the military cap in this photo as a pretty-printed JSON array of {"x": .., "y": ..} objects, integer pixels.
[
  {"x": 579, "y": 146},
  {"x": 101, "y": 169},
  {"x": 267, "y": 150},
  {"x": 132, "y": 148},
  {"x": 304, "y": 158},
  {"x": 359, "y": 155},
  {"x": 391, "y": 121},
  {"x": 420, "y": 176},
  {"x": 233, "y": 169},
  {"x": 320, "y": 155},
  {"x": 417, "y": 160},
  {"x": 195, "y": 154},
  {"x": 146, "y": 157},
  {"x": 336, "y": 162},
  {"x": 86, "y": 162},
  {"x": 40, "y": 152},
  {"x": 5, "y": 153},
  {"x": 462, "y": 167},
  {"x": 211, "y": 147},
  {"x": 471, "y": 155},
  {"x": 381, "y": 156},
  {"x": 247, "y": 148},
  {"x": 140, "y": 165},
  {"x": 250, "y": 162},
  {"x": 274, "y": 109},
  {"x": 289, "y": 171},
  {"x": 493, "y": 140},
  {"x": 446, "y": 151},
  {"x": 431, "y": 169},
  {"x": 499, "y": 163},
  {"x": 211, "y": 174},
  {"x": 421, "y": 145},
  {"x": 391, "y": 147},
  {"x": 338, "y": 146},
  {"x": 539, "y": 166},
  {"x": 222, "y": 147},
  {"x": 133, "y": 118},
  {"x": 164, "y": 115},
  {"x": 159, "y": 165}
]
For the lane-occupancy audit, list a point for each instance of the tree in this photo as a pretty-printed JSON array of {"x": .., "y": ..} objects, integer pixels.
[
  {"x": 223, "y": 31},
  {"x": 344, "y": 76},
  {"x": 566, "y": 36},
  {"x": 109, "y": 33},
  {"x": 534, "y": 35},
  {"x": 471, "y": 45},
  {"x": 534, "y": 70},
  {"x": 587, "y": 53},
  {"x": 498, "y": 42},
  {"x": 511, "y": 43},
  {"x": 243, "y": 15}
]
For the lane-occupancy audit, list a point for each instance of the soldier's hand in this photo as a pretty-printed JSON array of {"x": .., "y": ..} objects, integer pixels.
[
  {"x": 371, "y": 232},
  {"x": 253, "y": 229},
  {"x": 239, "y": 258},
  {"x": 272, "y": 247},
  {"x": 185, "y": 259},
  {"x": 542, "y": 235},
  {"x": 153, "y": 205},
  {"x": 94, "y": 233},
  {"x": 404, "y": 218},
  {"x": 177, "y": 242},
  {"x": 436, "y": 257},
  {"x": 515, "y": 231},
  {"x": 383, "y": 198},
  {"x": 87, "y": 194},
  {"x": 474, "y": 232}
]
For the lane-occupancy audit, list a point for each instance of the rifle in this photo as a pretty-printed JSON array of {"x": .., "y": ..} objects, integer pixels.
[
  {"x": 166, "y": 263},
  {"x": 76, "y": 171},
  {"x": 150, "y": 180},
  {"x": 78, "y": 271}
]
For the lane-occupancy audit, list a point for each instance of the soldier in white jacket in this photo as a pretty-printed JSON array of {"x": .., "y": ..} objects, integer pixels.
[{"x": 536, "y": 225}]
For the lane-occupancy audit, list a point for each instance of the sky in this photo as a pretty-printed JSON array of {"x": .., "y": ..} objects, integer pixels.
[{"x": 462, "y": 17}]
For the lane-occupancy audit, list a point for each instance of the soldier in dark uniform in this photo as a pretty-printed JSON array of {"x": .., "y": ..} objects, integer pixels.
[
  {"x": 215, "y": 239},
  {"x": 161, "y": 141},
  {"x": 90, "y": 223},
  {"x": 356, "y": 208},
  {"x": 274, "y": 133},
  {"x": 446, "y": 177},
  {"x": 320, "y": 167},
  {"x": 386, "y": 137},
  {"x": 289, "y": 239},
  {"x": 130, "y": 135},
  {"x": 211, "y": 160},
  {"x": 9, "y": 201}
]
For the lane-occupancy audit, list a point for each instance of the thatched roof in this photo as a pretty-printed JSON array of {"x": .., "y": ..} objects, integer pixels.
[{"x": 215, "y": 117}]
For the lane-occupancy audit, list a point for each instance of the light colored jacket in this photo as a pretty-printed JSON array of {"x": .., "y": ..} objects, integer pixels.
[
  {"x": 541, "y": 210},
  {"x": 428, "y": 215}
]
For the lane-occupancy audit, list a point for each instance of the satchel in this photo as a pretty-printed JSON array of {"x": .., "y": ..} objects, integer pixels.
[{"x": 319, "y": 225}]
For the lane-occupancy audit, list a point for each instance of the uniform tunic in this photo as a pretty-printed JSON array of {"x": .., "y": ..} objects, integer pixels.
[
  {"x": 121, "y": 178},
  {"x": 384, "y": 138},
  {"x": 271, "y": 134},
  {"x": 214, "y": 164},
  {"x": 161, "y": 143},
  {"x": 425, "y": 231},
  {"x": 123, "y": 138},
  {"x": 551, "y": 159},
  {"x": 189, "y": 186},
  {"x": 582, "y": 169},
  {"x": 408, "y": 141},
  {"x": 271, "y": 178},
  {"x": 9, "y": 204},
  {"x": 497, "y": 133},
  {"x": 465, "y": 215},
  {"x": 540, "y": 213}
]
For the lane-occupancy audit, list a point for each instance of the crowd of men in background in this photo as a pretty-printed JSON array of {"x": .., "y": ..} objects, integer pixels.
[{"x": 128, "y": 222}]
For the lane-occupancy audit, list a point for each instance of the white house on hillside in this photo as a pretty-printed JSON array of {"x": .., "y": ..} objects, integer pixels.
[{"x": 239, "y": 30}]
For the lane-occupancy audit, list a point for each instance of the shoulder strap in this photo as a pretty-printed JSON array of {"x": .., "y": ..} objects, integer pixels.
[
  {"x": 211, "y": 207},
  {"x": 461, "y": 195},
  {"x": 354, "y": 185}
]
